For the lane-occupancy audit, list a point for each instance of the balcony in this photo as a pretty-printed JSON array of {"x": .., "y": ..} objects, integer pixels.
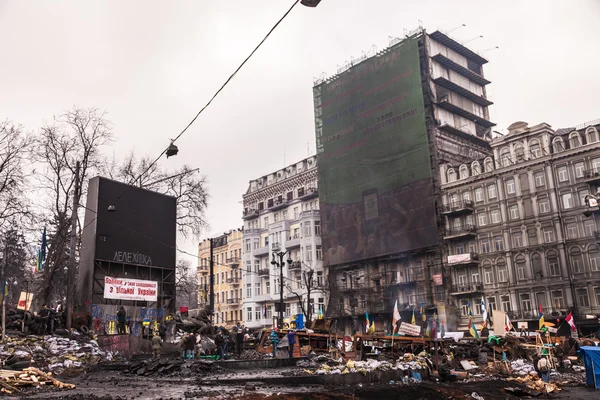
[
  {"x": 204, "y": 269},
  {"x": 292, "y": 242},
  {"x": 465, "y": 135},
  {"x": 309, "y": 194},
  {"x": 453, "y": 108},
  {"x": 309, "y": 213},
  {"x": 263, "y": 272},
  {"x": 235, "y": 281},
  {"x": 250, "y": 214},
  {"x": 275, "y": 246},
  {"x": 234, "y": 262},
  {"x": 467, "y": 94},
  {"x": 251, "y": 232},
  {"x": 467, "y": 288},
  {"x": 591, "y": 176},
  {"x": 233, "y": 301},
  {"x": 295, "y": 265},
  {"x": 463, "y": 259},
  {"x": 448, "y": 63},
  {"x": 461, "y": 232},
  {"x": 459, "y": 207},
  {"x": 261, "y": 251},
  {"x": 447, "y": 41},
  {"x": 278, "y": 205}
]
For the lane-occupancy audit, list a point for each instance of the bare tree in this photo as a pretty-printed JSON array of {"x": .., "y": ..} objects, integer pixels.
[
  {"x": 76, "y": 136},
  {"x": 308, "y": 281},
  {"x": 188, "y": 188},
  {"x": 14, "y": 152},
  {"x": 186, "y": 284}
]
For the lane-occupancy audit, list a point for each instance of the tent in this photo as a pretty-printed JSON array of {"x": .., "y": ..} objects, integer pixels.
[{"x": 591, "y": 359}]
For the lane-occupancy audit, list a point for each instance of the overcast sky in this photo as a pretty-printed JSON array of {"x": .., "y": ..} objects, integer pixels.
[{"x": 153, "y": 64}]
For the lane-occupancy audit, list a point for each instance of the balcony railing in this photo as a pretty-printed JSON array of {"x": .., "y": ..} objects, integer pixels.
[
  {"x": 463, "y": 259},
  {"x": 233, "y": 281},
  {"x": 309, "y": 213},
  {"x": 235, "y": 300},
  {"x": 459, "y": 207},
  {"x": 263, "y": 272},
  {"x": 275, "y": 246},
  {"x": 310, "y": 193},
  {"x": 250, "y": 214},
  {"x": 233, "y": 261},
  {"x": 295, "y": 265},
  {"x": 277, "y": 205},
  {"x": 293, "y": 241},
  {"x": 466, "y": 230},
  {"x": 591, "y": 176},
  {"x": 467, "y": 288},
  {"x": 446, "y": 104}
]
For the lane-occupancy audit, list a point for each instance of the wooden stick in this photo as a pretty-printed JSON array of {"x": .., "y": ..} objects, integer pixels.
[
  {"x": 54, "y": 381},
  {"x": 9, "y": 387}
]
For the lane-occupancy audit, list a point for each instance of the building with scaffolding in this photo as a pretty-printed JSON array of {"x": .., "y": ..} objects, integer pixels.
[
  {"x": 281, "y": 213},
  {"x": 519, "y": 231},
  {"x": 384, "y": 125}
]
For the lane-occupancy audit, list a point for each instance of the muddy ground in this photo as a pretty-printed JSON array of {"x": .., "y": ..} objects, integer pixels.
[{"x": 115, "y": 386}]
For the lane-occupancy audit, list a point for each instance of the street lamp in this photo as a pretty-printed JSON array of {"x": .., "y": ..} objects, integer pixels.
[
  {"x": 279, "y": 255},
  {"x": 310, "y": 3}
]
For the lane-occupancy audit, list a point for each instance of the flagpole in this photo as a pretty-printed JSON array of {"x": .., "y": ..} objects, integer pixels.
[{"x": 4, "y": 264}]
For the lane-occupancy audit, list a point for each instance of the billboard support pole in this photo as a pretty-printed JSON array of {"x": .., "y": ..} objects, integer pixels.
[
  {"x": 72, "y": 264},
  {"x": 212, "y": 282}
]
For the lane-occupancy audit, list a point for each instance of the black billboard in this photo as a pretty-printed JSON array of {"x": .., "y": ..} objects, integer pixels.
[{"x": 140, "y": 231}]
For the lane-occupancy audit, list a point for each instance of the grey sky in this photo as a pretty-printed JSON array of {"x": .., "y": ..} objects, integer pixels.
[{"x": 153, "y": 64}]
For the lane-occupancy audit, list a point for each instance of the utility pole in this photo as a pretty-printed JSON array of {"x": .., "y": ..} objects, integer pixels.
[
  {"x": 212, "y": 281},
  {"x": 280, "y": 264},
  {"x": 4, "y": 265},
  {"x": 72, "y": 266}
]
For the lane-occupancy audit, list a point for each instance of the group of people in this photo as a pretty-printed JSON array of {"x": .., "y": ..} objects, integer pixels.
[
  {"x": 50, "y": 318},
  {"x": 291, "y": 337}
]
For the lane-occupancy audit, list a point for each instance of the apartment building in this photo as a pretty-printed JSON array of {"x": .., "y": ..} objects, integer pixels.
[
  {"x": 228, "y": 264},
  {"x": 516, "y": 232},
  {"x": 281, "y": 214}
]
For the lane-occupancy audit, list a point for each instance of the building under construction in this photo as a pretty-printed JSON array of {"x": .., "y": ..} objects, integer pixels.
[{"x": 384, "y": 124}]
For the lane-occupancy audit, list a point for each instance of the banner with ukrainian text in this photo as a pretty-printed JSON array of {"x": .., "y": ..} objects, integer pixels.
[
  {"x": 375, "y": 186},
  {"x": 130, "y": 289}
]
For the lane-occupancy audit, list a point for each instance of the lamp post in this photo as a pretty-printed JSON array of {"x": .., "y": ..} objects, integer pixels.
[{"x": 279, "y": 255}]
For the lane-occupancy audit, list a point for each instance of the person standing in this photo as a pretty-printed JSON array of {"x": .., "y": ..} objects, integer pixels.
[
  {"x": 274, "y": 341},
  {"x": 239, "y": 339},
  {"x": 156, "y": 346},
  {"x": 121, "y": 317},
  {"x": 220, "y": 342},
  {"x": 544, "y": 367},
  {"x": 291, "y": 336},
  {"x": 191, "y": 346},
  {"x": 44, "y": 315},
  {"x": 183, "y": 345}
]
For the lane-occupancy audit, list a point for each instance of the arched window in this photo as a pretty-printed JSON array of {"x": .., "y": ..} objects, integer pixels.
[
  {"x": 463, "y": 172},
  {"x": 535, "y": 149},
  {"x": 576, "y": 260},
  {"x": 536, "y": 265},
  {"x": 488, "y": 276},
  {"x": 591, "y": 134},
  {"x": 488, "y": 165},
  {"x": 505, "y": 160},
  {"x": 451, "y": 175},
  {"x": 553, "y": 265},
  {"x": 575, "y": 140},
  {"x": 501, "y": 270},
  {"x": 475, "y": 168},
  {"x": 594, "y": 255},
  {"x": 558, "y": 145},
  {"x": 519, "y": 152},
  {"x": 520, "y": 268}
]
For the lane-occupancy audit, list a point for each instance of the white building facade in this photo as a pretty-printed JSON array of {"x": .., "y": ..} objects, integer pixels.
[{"x": 281, "y": 213}]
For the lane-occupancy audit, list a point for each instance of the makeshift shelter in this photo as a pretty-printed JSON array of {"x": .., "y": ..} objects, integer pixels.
[{"x": 591, "y": 359}]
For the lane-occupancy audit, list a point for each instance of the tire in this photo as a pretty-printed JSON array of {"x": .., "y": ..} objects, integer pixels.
[
  {"x": 11, "y": 360},
  {"x": 21, "y": 365},
  {"x": 84, "y": 329}
]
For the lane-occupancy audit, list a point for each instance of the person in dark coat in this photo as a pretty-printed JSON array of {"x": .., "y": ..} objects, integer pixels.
[
  {"x": 44, "y": 316},
  {"x": 220, "y": 342},
  {"x": 191, "y": 346},
  {"x": 291, "y": 336},
  {"x": 239, "y": 338},
  {"x": 121, "y": 317}
]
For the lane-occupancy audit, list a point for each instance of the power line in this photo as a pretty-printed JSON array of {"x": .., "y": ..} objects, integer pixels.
[{"x": 203, "y": 108}]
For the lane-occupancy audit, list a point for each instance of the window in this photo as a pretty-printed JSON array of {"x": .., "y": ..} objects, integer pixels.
[
  {"x": 563, "y": 174},
  {"x": 257, "y": 313},
  {"x": 582, "y": 297},
  {"x": 482, "y": 219},
  {"x": 276, "y": 217},
  {"x": 591, "y": 135},
  {"x": 485, "y": 245},
  {"x": 505, "y": 303},
  {"x": 266, "y": 223},
  {"x": 520, "y": 152},
  {"x": 572, "y": 231},
  {"x": 479, "y": 194},
  {"x": 257, "y": 288},
  {"x": 495, "y": 216},
  {"x": 451, "y": 175},
  {"x": 558, "y": 301},
  {"x": 307, "y": 229},
  {"x": 308, "y": 253},
  {"x": 594, "y": 255},
  {"x": 488, "y": 276},
  {"x": 505, "y": 157},
  {"x": 517, "y": 239},
  {"x": 488, "y": 165},
  {"x": 492, "y": 191},
  {"x": 553, "y": 266},
  {"x": 548, "y": 234},
  {"x": 582, "y": 194},
  {"x": 567, "y": 200},
  {"x": 558, "y": 145},
  {"x": 467, "y": 196},
  {"x": 596, "y": 165},
  {"x": 319, "y": 252},
  {"x": 460, "y": 248},
  {"x": 249, "y": 314},
  {"x": 318, "y": 228},
  {"x": 544, "y": 205},
  {"x": 248, "y": 246},
  {"x": 535, "y": 149},
  {"x": 502, "y": 273},
  {"x": 589, "y": 227},
  {"x": 514, "y": 211},
  {"x": 491, "y": 303},
  {"x": 532, "y": 237},
  {"x": 475, "y": 168},
  {"x": 464, "y": 172},
  {"x": 510, "y": 186},
  {"x": 540, "y": 179},
  {"x": 499, "y": 243},
  {"x": 464, "y": 307},
  {"x": 295, "y": 213},
  {"x": 525, "y": 302},
  {"x": 320, "y": 281},
  {"x": 285, "y": 215},
  {"x": 520, "y": 267},
  {"x": 248, "y": 290},
  {"x": 269, "y": 312},
  {"x": 574, "y": 140},
  {"x": 579, "y": 169}
]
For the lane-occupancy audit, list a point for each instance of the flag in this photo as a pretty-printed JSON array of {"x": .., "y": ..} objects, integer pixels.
[
  {"x": 422, "y": 312},
  {"x": 483, "y": 313},
  {"x": 40, "y": 265},
  {"x": 541, "y": 317},
  {"x": 428, "y": 331},
  {"x": 433, "y": 328},
  {"x": 472, "y": 329},
  {"x": 570, "y": 321},
  {"x": 470, "y": 311},
  {"x": 490, "y": 312},
  {"x": 412, "y": 321},
  {"x": 320, "y": 313},
  {"x": 372, "y": 328},
  {"x": 508, "y": 324},
  {"x": 44, "y": 245},
  {"x": 265, "y": 311},
  {"x": 4, "y": 290},
  {"x": 443, "y": 330},
  {"x": 367, "y": 326},
  {"x": 396, "y": 317}
]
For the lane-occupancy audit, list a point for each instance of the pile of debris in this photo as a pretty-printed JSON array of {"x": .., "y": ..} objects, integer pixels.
[
  {"x": 13, "y": 382},
  {"x": 173, "y": 367},
  {"x": 52, "y": 353},
  {"x": 536, "y": 384}
]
